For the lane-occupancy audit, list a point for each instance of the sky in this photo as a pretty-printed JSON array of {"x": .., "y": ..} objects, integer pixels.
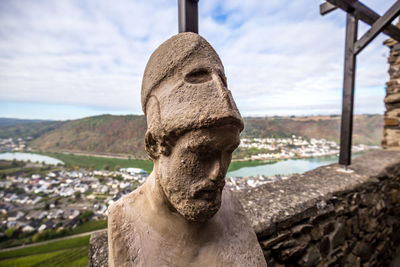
[{"x": 72, "y": 59}]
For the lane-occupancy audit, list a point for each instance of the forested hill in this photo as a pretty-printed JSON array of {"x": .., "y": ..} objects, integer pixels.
[
  {"x": 108, "y": 134},
  {"x": 368, "y": 129},
  {"x": 26, "y": 128},
  {"x": 100, "y": 134}
]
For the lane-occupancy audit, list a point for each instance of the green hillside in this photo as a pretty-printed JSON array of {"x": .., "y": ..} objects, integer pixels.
[
  {"x": 124, "y": 135},
  {"x": 26, "y": 128},
  {"x": 367, "y": 128},
  {"x": 105, "y": 134}
]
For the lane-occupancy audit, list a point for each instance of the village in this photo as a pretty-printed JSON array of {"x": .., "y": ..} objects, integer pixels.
[
  {"x": 294, "y": 147},
  {"x": 59, "y": 200},
  {"x": 11, "y": 144}
]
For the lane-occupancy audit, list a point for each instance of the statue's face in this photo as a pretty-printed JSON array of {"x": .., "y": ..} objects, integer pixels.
[{"x": 193, "y": 175}]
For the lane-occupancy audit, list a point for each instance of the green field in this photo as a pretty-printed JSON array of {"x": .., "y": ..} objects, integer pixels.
[
  {"x": 90, "y": 226},
  {"x": 100, "y": 163},
  {"x": 70, "y": 252}
]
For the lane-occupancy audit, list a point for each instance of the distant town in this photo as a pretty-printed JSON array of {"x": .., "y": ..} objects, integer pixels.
[
  {"x": 58, "y": 199},
  {"x": 294, "y": 147}
]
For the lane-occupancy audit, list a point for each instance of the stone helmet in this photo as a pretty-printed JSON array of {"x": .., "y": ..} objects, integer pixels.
[{"x": 184, "y": 88}]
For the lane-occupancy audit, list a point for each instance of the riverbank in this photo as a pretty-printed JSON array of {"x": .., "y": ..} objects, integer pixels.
[{"x": 111, "y": 163}]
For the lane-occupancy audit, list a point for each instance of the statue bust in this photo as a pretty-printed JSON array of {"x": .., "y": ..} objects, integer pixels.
[{"x": 182, "y": 215}]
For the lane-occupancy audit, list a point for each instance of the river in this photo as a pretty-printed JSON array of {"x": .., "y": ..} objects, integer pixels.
[
  {"x": 30, "y": 157},
  {"x": 284, "y": 167}
]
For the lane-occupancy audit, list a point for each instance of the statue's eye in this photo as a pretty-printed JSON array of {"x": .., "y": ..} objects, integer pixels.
[{"x": 198, "y": 76}]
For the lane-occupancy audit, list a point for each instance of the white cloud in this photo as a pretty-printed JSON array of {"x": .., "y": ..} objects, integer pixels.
[{"x": 279, "y": 56}]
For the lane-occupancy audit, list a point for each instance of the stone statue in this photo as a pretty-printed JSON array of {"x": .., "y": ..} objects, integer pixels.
[{"x": 181, "y": 215}]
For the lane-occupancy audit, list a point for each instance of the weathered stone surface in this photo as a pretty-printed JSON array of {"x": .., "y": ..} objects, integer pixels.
[
  {"x": 98, "y": 249},
  {"x": 311, "y": 258},
  {"x": 393, "y": 98},
  {"x": 391, "y": 121},
  {"x": 391, "y": 138},
  {"x": 325, "y": 246},
  {"x": 395, "y": 113},
  {"x": 316, "y": 233},
  {"x": 303, "y": 192},
  {"x": 363, "y": 250},
  {"x": 328, "y": 228},
  {"x": 352, "y": 261},
  {"x": 273, "y": 241},
  {"x": 290, "y": 251},
  {"x": 338, "y": 236},
  {"x": 301, "y": 229}
]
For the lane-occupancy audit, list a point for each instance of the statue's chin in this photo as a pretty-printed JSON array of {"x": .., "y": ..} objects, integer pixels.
[{"x": 198, "y": 211}]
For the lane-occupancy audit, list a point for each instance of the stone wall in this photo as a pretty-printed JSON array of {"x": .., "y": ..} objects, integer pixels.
[
  {"x": 330, "y": 217},
  {"x": 391, "y": 132},
  {"x": 325, "y": 217}
]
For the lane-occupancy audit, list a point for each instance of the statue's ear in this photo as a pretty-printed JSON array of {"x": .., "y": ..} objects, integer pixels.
[
  {"x": 153, "y": 134},
  {"x": 152, "y": 146}
]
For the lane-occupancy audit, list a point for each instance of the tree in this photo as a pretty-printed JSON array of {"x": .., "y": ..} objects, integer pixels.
[
  {"x": 77, "y": 194},
  {"x": 9, "y": 232}
]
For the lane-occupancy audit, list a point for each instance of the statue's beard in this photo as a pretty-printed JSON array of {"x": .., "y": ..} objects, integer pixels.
[
  {"x": 196, "y": 210},
  {"x": 198, "y": 204}
]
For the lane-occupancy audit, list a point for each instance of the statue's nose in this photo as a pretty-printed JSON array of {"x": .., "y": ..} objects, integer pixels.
[{"x": 215, "y": 171}]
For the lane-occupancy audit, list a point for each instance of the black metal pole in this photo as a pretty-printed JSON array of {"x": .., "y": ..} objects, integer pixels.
[
  {"x": 346, "y": 128},
  {"x": 188, "y": 16}
]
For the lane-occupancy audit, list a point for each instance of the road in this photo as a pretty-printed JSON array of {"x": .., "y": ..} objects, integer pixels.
[{"x": 50, "y": 241}]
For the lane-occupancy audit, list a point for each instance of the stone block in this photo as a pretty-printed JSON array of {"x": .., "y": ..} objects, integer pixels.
[
  {"x": 392, "y": 105},
  {"x": 301, "y": 229},
  {"x": 338, "y": 236},
  {"x": 395, "y": 196},
  {"x": 352, "y": 260},
  {"x": 392, "y": 137},
  {"x": 328, "y": 228},
  {"x": 311, "y": 257},
  {"x": 266, "y": 244},
  {"x": 285, "y": 244},
  {"x": 290, "y": 255},
  {"x": 325, "y": 246},
  {"x": 297, "y": 218},
  {"x": 372, "y": 225},
  {"x": 393, "y": 89},
  {"x": 98, "y": 249},
  {"x": 323, "y": 217},
  {"x": 316, "y": 233},
  {"x": 391, "y": 121},
  {"x": 363, "y": 250},
  {"x": 395, "y": 113}
]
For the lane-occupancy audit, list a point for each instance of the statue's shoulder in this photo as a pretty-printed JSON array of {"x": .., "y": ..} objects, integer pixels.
[
  {"x": 125, "y": 203},
  {"x": 121, "y": 230},
  {"x": 123, "y": 213}
]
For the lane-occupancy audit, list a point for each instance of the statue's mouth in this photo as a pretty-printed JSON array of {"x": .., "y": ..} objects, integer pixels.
[{"x": 208, "y": 192}]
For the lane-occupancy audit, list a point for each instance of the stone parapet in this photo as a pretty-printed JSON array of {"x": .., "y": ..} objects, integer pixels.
[
  {"x": 325, "y": 217},
  {"x": 391, "y": 132},
  {"x": 329, "y": 217}
]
